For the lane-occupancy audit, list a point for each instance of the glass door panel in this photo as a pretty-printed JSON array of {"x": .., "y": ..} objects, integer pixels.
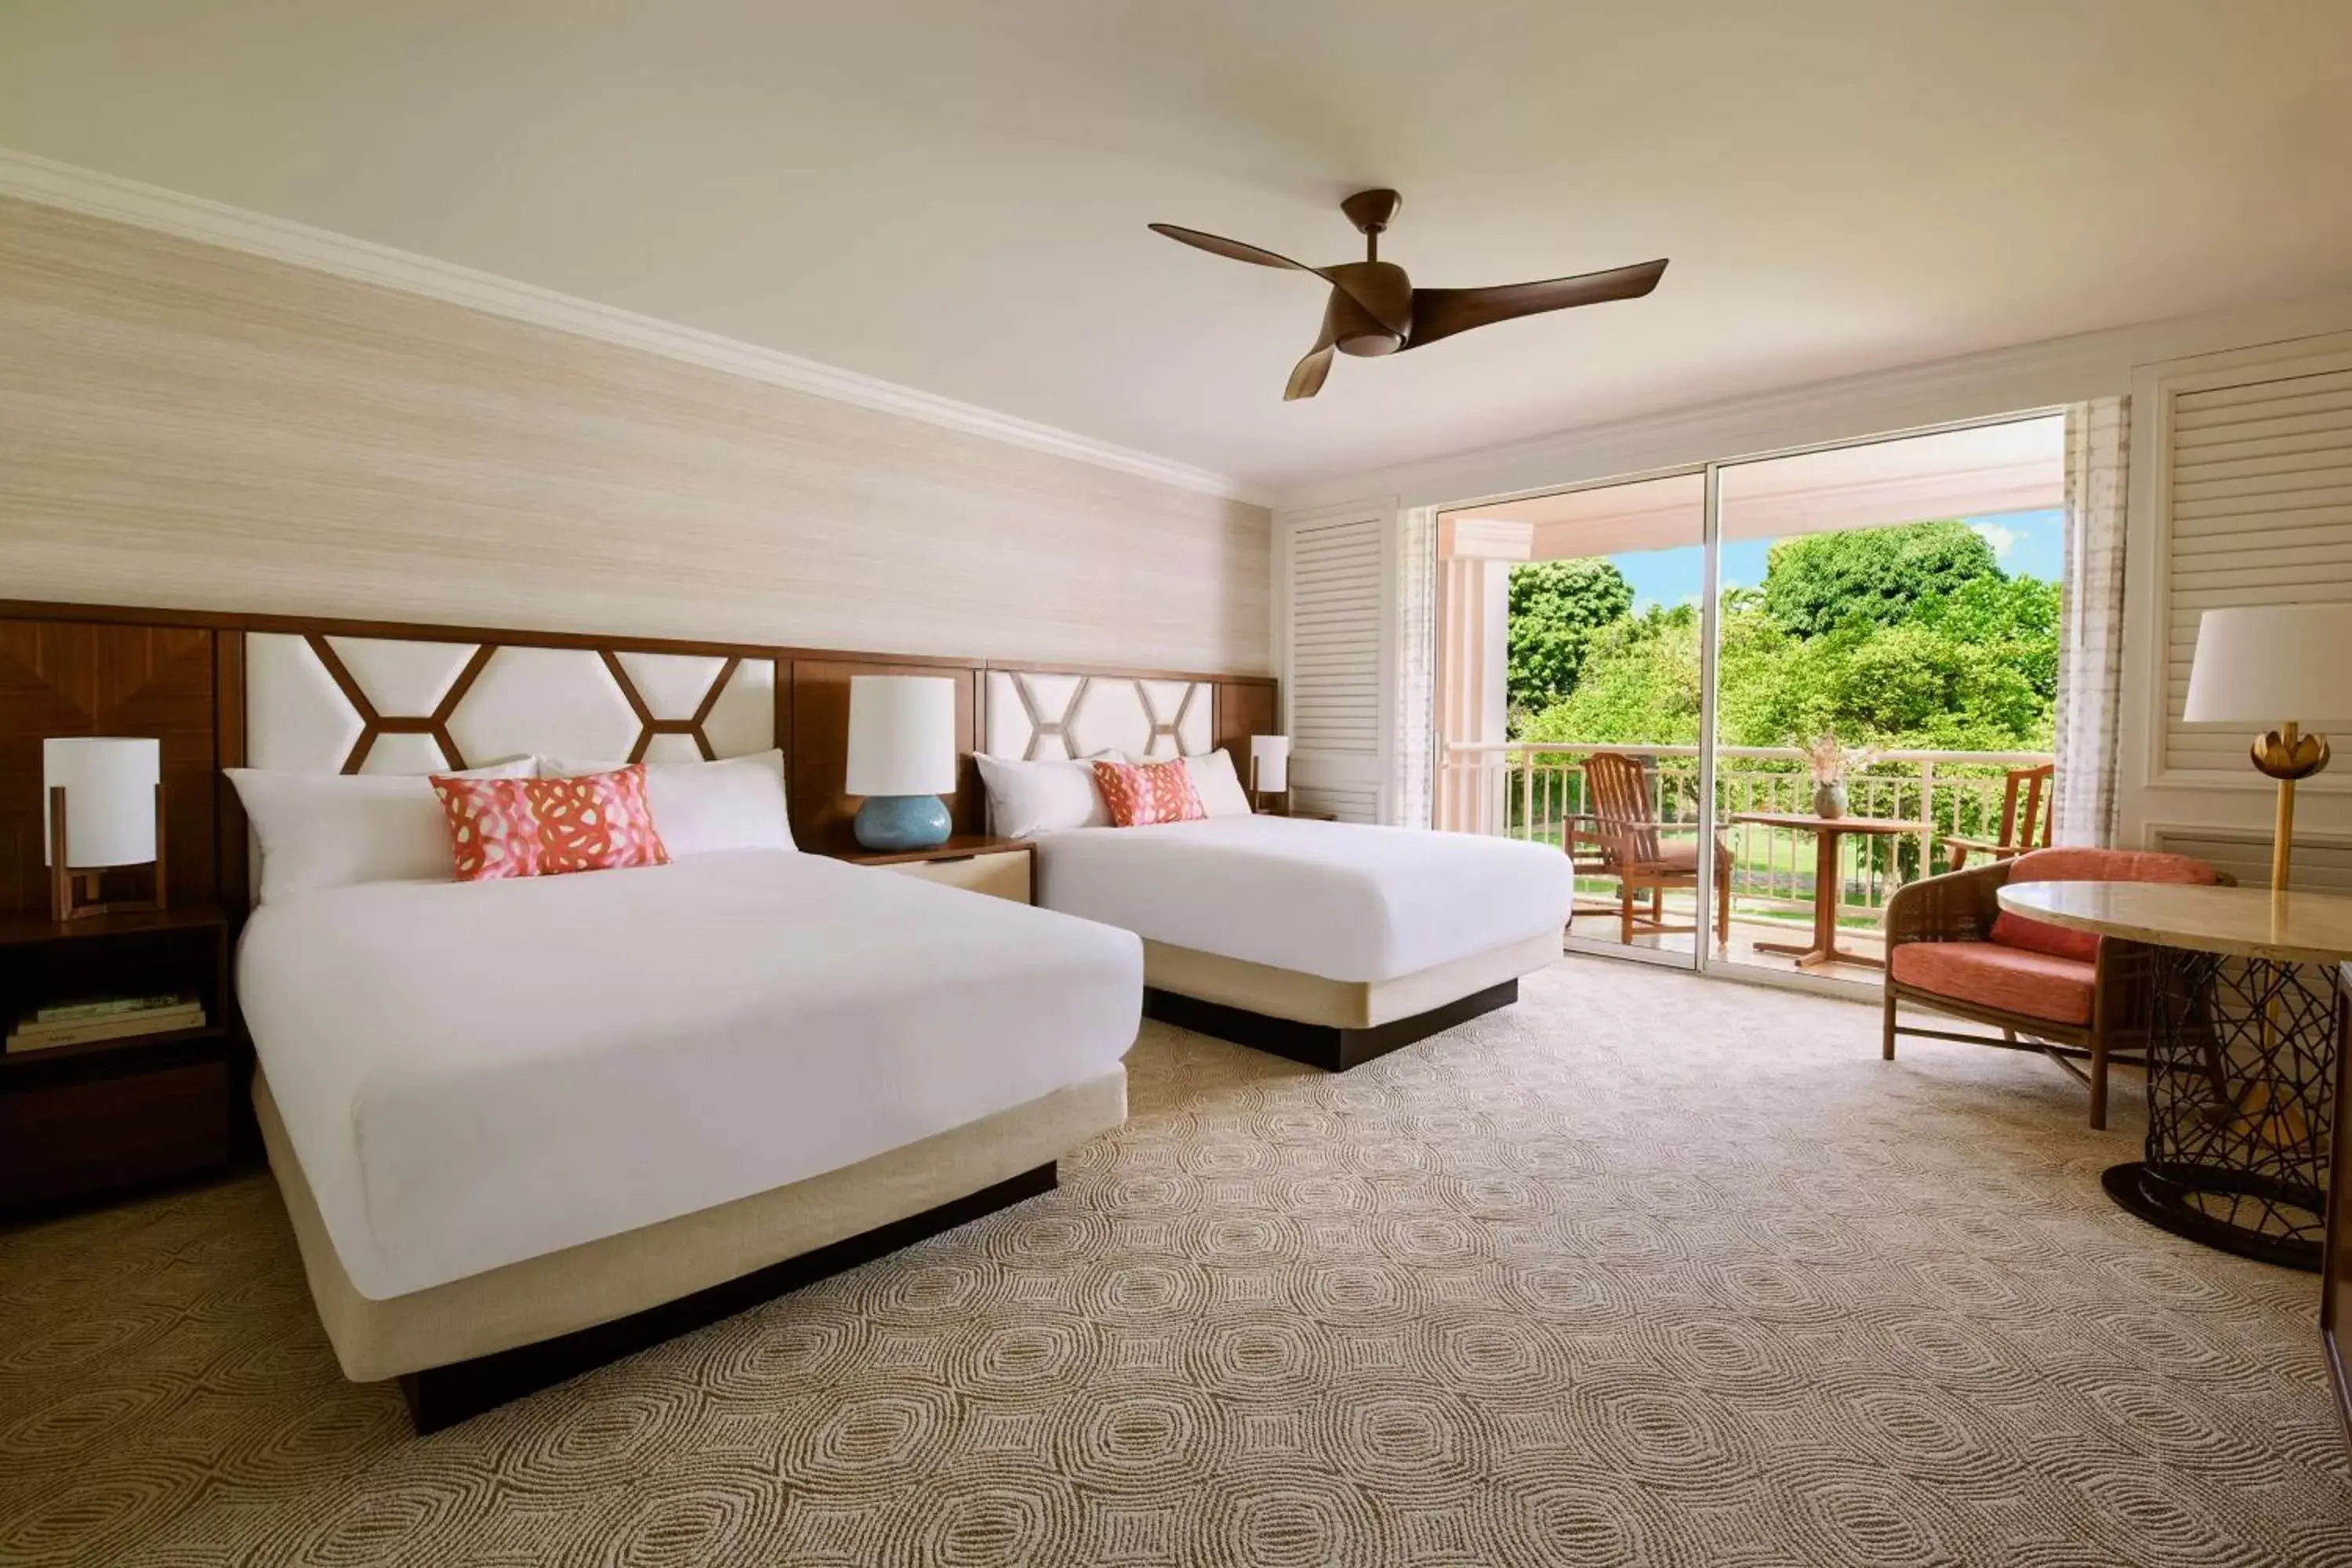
[
  {"x": 1887, "y": 654},
  {"x": 1581, "y": 730}
]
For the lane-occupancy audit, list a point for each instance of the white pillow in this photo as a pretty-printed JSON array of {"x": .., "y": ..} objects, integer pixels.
[
  {"x": 1218, "y": 786},
  {"x": 330, "y": 830},
  {"x": 700, "y": 808},
  {"x": 1052, "y": 795}
]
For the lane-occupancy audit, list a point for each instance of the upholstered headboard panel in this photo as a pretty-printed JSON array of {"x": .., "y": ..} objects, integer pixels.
[
  {"x": 329, "y": 703},
  {"x": 298, "y": 694},
  {"x": 1039, "y": 713}
]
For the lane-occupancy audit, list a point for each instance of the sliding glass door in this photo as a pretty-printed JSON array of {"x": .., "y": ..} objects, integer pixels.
[
  {"x": 1888, "y": 658},
  {"x": 1750, "y": 699},
  {"x": 1579, "y": 725}
]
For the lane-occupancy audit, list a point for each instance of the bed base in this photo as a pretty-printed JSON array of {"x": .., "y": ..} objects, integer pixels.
[
  {"x": 442, "y": 1396},
  {"x": 1330, "y": 1047}
]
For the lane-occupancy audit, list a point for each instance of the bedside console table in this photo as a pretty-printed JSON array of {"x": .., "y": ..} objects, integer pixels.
[
  {"x": 107, "y": 1115},
  {"x": 1001, "y": 868}
]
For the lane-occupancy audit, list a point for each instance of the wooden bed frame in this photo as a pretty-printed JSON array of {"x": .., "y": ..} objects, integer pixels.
[
  {"x": 1331, "y": 1046},
  {"x": 444, "y": 1395}
]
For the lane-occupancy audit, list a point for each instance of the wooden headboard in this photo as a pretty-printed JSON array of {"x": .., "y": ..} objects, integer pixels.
[{"x": 389, "y": 697}]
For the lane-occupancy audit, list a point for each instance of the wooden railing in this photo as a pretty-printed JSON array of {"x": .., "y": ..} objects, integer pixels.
[{"x": 1536, "y": 791}]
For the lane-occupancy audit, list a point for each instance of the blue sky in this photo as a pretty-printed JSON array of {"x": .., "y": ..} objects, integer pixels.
[{"x": 2026, "y": 543}]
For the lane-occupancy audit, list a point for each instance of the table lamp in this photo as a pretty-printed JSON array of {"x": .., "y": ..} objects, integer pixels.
[
  {"x": 1269, "y": 767},
  {"x": 103, "y": 808},
  {"x": 902, "y": 758},
  {"x": 2288, "y": 665}
]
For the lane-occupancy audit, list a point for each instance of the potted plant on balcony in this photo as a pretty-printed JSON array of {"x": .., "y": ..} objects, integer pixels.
[{"x": 1830, "y": 762}]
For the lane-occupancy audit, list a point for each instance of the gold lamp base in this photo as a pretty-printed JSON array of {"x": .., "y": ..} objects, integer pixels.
[{"x": 2287, "y": 755}]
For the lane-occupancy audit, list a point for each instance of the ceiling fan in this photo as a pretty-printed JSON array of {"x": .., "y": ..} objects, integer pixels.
[{"x": 1375, "y": 309}]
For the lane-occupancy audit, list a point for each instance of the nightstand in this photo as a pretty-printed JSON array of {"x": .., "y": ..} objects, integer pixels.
[
  {"x": 1001, "y": 868},
  {"x": 106, "y": 1116}
]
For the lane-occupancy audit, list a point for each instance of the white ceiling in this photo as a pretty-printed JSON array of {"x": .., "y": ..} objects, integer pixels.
[{"x": 952, "y": 195}]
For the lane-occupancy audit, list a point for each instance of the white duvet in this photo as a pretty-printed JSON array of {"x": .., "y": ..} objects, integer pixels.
[
  {"x": 473, "y": 1074},
  {"x": 1341, "y": 901}
]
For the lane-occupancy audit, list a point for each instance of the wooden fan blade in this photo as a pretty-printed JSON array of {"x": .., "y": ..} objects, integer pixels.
[
  {"x": 1441, "y": 313},
  {"x": 1306, "y": 376},
  {"x": 1217, "y": 245}
]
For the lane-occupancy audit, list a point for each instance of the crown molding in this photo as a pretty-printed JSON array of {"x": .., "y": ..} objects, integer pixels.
[{"x": 108, "y": 196}]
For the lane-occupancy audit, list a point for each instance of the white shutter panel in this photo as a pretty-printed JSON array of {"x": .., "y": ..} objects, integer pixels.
[
  {"x": 1336, "y": 593},
  {"x": 2256, "y": 509}
]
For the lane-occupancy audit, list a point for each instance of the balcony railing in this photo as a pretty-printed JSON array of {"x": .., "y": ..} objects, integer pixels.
[{"x": 1535, "y": 790}]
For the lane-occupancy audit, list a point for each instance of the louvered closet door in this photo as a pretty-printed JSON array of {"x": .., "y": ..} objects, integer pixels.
[
  {"x": 1334, "y": 605},
  {"x": 2257, "y": 502}
]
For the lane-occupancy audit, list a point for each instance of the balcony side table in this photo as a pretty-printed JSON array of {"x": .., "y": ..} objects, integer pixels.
[
  {"x": 1826, "y": 832},
  {"x": 2241, "y": 1055}
]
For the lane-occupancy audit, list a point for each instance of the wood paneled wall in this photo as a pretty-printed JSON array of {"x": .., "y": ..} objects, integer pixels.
[
  {"x": 188, "y": 427},
  {"x": 59, "y": 677},
  {"x": 69, "y": 669}
]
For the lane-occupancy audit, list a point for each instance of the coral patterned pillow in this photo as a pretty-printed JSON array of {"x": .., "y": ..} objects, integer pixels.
[
  {"x": 545, "y": 828},
  {"x": 1141, "y": 794}
]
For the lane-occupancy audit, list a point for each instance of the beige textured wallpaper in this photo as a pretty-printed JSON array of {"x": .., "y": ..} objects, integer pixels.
[{"x": 188, "y": 427}]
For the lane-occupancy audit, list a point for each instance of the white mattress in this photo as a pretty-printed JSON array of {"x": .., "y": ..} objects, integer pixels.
[
  {"x": 473, "y": 1074},
  {"x": 1341, "y": 901}
]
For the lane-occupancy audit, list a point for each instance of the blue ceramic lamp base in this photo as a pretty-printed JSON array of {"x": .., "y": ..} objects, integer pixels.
[{"x": 888, "y": 822}]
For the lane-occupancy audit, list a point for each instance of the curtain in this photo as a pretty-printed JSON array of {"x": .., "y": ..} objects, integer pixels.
[
  {"x": 2091, "y": 623},
  {"x": 1409, "y": 781}
]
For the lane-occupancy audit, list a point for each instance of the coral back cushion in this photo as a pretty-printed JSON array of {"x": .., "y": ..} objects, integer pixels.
[
  {"x": 546, "y": 827},
  {"x": 2086, "y": 865},
  {"x": 1139, "y": 795}
]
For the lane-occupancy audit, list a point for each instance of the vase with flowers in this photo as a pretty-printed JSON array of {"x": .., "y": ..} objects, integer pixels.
[{"x": 1830, "y": 763}]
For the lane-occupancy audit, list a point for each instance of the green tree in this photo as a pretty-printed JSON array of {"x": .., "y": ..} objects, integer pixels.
[
  {"x": 1557, "y": 606},
  {"x": 1639, "y": 686},
  {"x": 1815, "y": 582}
]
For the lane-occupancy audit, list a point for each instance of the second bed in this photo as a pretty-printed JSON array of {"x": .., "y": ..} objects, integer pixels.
[{"x": 1328, "y": 943}]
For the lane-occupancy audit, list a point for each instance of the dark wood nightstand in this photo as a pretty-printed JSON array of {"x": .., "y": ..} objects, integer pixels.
[
  {"x": 1001, "y": 868},
  {"x": 107, "y": 1116}
]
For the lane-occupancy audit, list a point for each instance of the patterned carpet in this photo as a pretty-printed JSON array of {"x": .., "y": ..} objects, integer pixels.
[{"x": 1647, "y": 1270}]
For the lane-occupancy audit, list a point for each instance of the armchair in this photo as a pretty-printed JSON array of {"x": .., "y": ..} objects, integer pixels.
[{"x": 1951, "y": 949}]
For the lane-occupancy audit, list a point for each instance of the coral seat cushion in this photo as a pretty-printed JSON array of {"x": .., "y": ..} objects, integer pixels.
[
  {"x": 2086, "y": 865},
  {"x": 547, "y": 827},
  {"x": 2013, "y": 979},
  {"x": 1139, "y": 794}
]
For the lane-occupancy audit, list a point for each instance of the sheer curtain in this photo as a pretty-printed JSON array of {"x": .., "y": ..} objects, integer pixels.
[
  {"x": 1409, "y": 790},
  {"x": 2091, "y": 622}
]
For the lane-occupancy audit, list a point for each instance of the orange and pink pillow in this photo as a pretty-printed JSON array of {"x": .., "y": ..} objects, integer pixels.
[
  {"x": 547, "y": 827},
  {"x": 1139, "y": 794}
]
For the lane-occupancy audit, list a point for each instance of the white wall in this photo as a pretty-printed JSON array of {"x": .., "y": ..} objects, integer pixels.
[{"x": 187, "y": 426}]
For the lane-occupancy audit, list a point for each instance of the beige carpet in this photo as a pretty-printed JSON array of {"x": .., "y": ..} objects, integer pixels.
[{"x": 1645, "y": 1270}]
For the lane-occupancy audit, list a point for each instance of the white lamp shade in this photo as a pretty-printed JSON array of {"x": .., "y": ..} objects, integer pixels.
[
  {"x": 2272, "y": 664},
  {"x": 1270, "y": 760},
  {"x": 110, "y": 786},
  {"x": 902, "y": 734}
]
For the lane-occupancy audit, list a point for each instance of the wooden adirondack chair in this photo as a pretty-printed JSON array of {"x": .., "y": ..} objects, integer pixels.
[
  {"x": 2020, "y": 831},
  {"x": 1622, "y": 837}
]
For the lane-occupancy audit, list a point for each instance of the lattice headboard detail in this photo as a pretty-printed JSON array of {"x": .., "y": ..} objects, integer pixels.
[
  {"x": 327, "y": 703},
  {"x": 1035, "y": 713}
]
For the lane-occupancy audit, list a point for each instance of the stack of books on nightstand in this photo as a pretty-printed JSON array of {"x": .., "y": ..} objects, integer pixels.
[{"x": 105, "y": 1019}]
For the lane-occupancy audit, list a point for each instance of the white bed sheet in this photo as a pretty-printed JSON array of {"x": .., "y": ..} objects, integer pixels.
[
  {"x": 1341, "y": 901},
  {"x": 476, "y": 1073}
]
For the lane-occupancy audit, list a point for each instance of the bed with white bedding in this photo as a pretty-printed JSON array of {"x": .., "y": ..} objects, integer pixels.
[
  {"x": 1361, "y": 938},
  {"x": 473, "y": 1086}
]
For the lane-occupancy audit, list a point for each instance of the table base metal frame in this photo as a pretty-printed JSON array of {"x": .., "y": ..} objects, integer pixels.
[{"x": 2241, "y": 1102}]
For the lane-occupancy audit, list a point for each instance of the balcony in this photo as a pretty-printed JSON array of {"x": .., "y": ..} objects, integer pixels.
[{"x": 1537, "y": 790}]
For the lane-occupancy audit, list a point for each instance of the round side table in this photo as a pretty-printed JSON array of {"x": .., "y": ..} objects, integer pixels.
[{"x": 2241, "y": 1055}]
